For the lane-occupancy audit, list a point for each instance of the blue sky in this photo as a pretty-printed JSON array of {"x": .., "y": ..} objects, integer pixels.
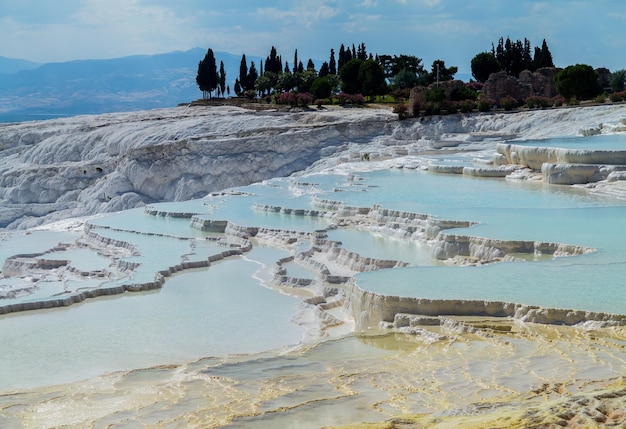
[{"x": 589, "y": 32}]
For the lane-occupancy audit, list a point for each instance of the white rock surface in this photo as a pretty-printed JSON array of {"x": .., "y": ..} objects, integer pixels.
[{"x": 79, "y": 166}]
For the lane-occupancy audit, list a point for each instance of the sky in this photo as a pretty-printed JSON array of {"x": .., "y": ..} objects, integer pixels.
[{"x": 577, "y": 32}]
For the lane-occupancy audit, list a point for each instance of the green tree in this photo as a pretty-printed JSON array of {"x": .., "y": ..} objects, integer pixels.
[
  {"x": 237, "y": 88},
  {"x": 265, "y": 83},
  {"x": 222, "y": 78},
  {"x": 252, "y": 76},
  {"x": 543, "y": 57},
  {"x": 321, "y": 88},
  {"x": 483, "y": 64},
  {"x": 243, "y": 74},
  {"x": 372, "y": 78},
  {"x": 580, "y": 81},
  {"x": 305, "y": 79},
  {"x": 206, "y": 77},
  {"x": 324, "y": 70},
  {"x": 393, "y": 65},
  {"x": 441, "y": 73},
  {"x": 618, "y": 80},
  {"x": 310, "y": 65},
  {"x": 332, "y": 65},
  {"x": 404, "y": 79},
  {"x": 273, "y": 62},
  {"x": 287, "y": 81},
  {"x": 349, "y": 75}
]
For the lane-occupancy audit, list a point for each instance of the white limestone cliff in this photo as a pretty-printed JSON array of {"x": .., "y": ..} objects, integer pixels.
[{"x": 63, "y": 168}]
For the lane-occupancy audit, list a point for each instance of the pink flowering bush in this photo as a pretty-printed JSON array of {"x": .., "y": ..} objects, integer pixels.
[
  {"x": 558, "y": 101},
  {"x": 475, "y": 86},
  {"x": 286, "y": 98},
  {"x": 304, "y": 99},
  {"x": 344, "y": 98},
  {"x": 293, "y": 99}
]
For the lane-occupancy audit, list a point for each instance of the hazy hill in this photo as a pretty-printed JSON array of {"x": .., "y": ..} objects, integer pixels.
[
  {"x": 100, "y": 86},
  {"x": 13, "y": 65}
]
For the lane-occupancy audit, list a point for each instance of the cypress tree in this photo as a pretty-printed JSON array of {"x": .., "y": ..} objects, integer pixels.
[
  {"x": 310, "y": 65},
  {"x": 324, "y": 70},
  {"x": 543, "y": 57},
  {"x": 332, "y": 65},
  {"x": 222, "y": 78},
  {"x": 342, "y": 58},
  {"x": 295, "y": 62},
  {"x": 253, "y": 75},
  {"x": 207, "y": 78},
  {"x": 243, "y": 73}
]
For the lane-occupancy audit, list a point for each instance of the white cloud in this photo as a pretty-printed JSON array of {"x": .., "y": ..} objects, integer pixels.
[
  {"x": 360, "y": 23},
  {"x": 618, "y": 15},
  {"x": 305, "y": 13}
]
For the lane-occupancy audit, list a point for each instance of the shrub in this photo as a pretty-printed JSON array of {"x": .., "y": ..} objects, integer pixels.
[
  {"x": 345, "y": 98},
  {"x": 558, "y": 101},
  {"x": 358, "y": 99},
  {"x": 463, "y": 93},
  {"x": 321, "y": 88},
  {"x": 432, "y": 108},
  {"x": 318, "y": 102},
  {"x": 286, "y": 98},
  {"x": 466, "y": 106},
  {"x": 508, "y": 102},
  {"x": 531, "y": 102},
  {"x": 616, "y": 97},
  {"x": 402, "y": 110},
  {"x": 475, "y": 86},
  {"x": 573, "y": 101},
  {"x": 304, "y": 99},
  {"x": 600, "y": 98},
  {"x": 401, "y": 94},
  {"x": 485, "y": 104},
  {"x": 434, "y": 95},
  {"x": 451, "y": 107},
  {"x": 545, "y": 102}
]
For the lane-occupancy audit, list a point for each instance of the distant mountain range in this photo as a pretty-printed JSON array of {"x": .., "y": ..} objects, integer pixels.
[{"x": 30, "y": 91}]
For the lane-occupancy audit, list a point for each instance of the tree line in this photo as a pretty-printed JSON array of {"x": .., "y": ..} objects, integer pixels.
[
  {"x": 579, "y": 81},
  {"x": 513, "y": 57},
  {"x": 352, "y": 71}
]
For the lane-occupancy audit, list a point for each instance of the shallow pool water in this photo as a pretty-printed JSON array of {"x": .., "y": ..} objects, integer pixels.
[
  {"x": 229, "y": 307},
  {"x": 598, "y": 142}
]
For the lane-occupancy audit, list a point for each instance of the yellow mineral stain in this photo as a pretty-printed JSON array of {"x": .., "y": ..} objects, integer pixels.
[{"x": 479, "y": 373}]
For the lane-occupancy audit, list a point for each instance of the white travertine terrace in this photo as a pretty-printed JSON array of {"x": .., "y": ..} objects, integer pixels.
[{"x": 91, "y": 165}]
